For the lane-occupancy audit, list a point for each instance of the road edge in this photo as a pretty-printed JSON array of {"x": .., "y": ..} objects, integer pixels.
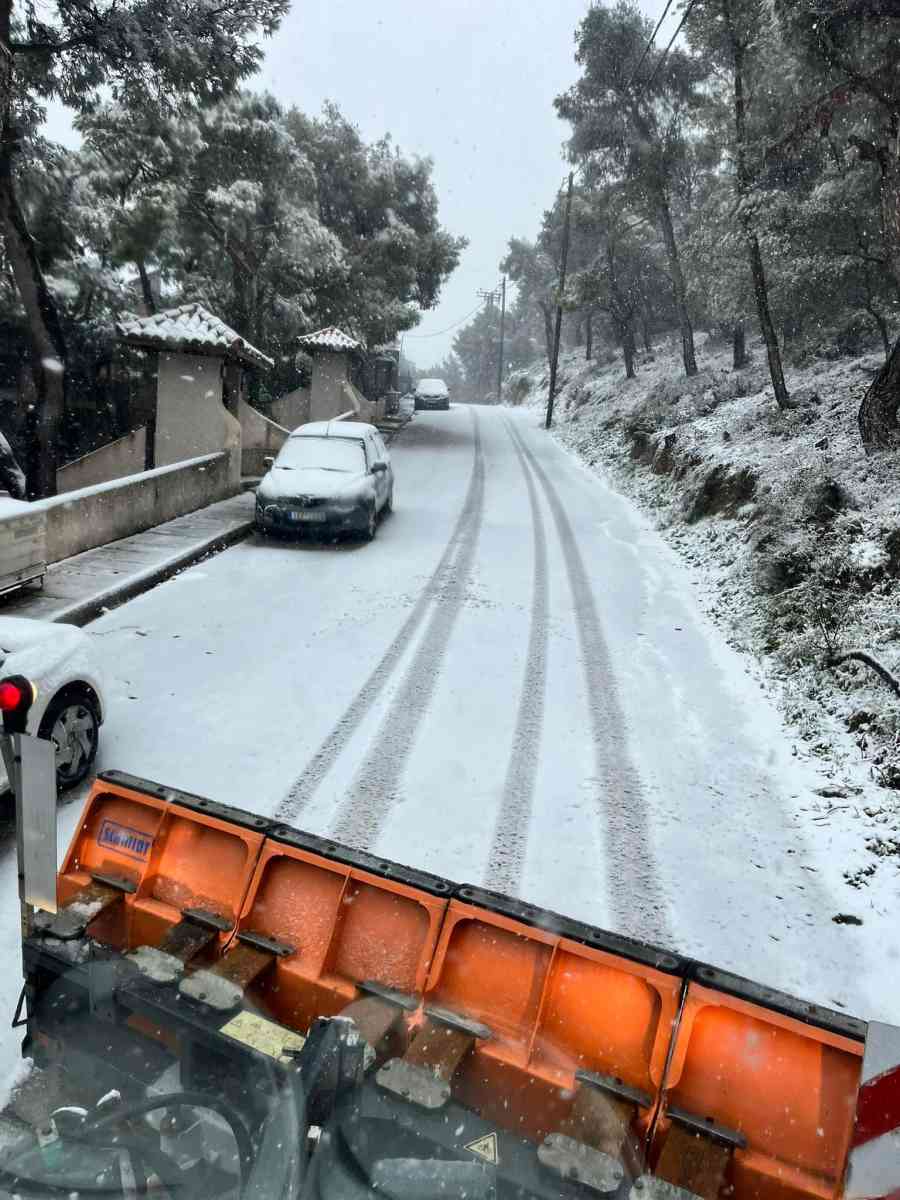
[{"x": 84, "y": 611}]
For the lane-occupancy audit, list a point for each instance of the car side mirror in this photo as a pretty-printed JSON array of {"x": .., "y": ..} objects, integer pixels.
[
  {"x": 268, "y": 461},
  {"x": 378, "y": 468}
]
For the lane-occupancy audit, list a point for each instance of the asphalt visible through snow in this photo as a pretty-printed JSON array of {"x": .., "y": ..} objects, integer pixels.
[{"x": 512, "y": 686}]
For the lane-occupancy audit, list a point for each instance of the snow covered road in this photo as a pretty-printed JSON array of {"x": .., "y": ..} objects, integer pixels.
[{"x": 512, "y": 686}]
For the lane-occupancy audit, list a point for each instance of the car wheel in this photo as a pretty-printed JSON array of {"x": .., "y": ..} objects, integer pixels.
[
  {"x": 73, "y": 723},
  {"x": 389, "y": 503},
  {"x": 371, "y": 524}
]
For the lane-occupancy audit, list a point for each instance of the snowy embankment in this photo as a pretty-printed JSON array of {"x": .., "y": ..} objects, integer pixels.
[{"x": 792, "y": 536}]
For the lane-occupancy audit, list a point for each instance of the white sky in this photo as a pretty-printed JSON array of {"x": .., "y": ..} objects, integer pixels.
[{"x": 468, "y": 82}]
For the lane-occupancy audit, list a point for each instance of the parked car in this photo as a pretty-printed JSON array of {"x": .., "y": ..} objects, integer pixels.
[
  {"x": 69, "y": 707},
  {"x": 333, "y": 475},
  {"x": 432, "y": 393}
]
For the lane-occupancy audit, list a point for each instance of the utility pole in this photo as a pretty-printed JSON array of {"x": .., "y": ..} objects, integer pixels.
[
  {"x": 484, "y": 367},
  {"x": 562, "y": 287},
  {"x": 500, "y": 356}
]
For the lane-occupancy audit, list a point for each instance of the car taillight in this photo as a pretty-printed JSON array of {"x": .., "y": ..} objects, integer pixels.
[{"x": 17, "y": 694}]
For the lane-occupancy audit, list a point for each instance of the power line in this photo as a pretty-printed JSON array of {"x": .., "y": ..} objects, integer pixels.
[
  {"x": 687, "y": 12},
  {"x": 440, "y": 332},
  {"x": 649, "y": 45}
]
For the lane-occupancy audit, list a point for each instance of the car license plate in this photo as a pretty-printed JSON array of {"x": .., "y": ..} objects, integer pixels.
[{"x": 304, "y": 514}]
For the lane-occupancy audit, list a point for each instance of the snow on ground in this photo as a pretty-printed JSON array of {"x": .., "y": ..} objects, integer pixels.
[
  {"x": 787, "y": 529},
  {"x": 513, "y": 685}
]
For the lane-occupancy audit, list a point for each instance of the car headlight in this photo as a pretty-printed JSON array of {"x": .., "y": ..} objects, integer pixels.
[{"x": 348, "y": 502}]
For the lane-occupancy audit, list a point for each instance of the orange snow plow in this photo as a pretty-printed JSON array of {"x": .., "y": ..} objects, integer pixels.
[{"x": 432, "y": 1039}]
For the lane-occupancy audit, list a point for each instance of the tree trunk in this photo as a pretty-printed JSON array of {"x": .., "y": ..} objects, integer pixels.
[
  {"x": 739, "y": 345},
  {"x": 628, "y": 350},
  {"x": 744, "y": 182},
  {"x": 678, "y": 287},
  {"x": 48, "y": 349},
  {"x": 625, "y": 331},
  {"x": 47, "y": 343},
  {"x": 645, "y": 334},
  {"x": 879, "y": 320},
  {"x": 877, "y": 416},
  {"x": 782, "y": 399},
  {"x": 146, "y": 289},
  {"x": 589, "y": 334},
  {"x": 548, "y": 329}
]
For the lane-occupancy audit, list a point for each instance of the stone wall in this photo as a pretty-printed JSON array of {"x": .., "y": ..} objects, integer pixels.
[
  {"x": 125, "y": 456},
  {"x": 93, "y": 516},
  {"x": 190, "y": 416},
  {"x": 292, "y": 409},
  {"x": 260, "y": 439}
]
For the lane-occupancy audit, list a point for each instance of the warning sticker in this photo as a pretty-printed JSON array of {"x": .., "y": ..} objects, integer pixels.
[
  {"x": 485, "y": 1147},
  {"x": 264, "y": 1036}
]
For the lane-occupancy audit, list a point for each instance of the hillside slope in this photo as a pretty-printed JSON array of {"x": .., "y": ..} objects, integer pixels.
[{"x": 793, "y": 539}]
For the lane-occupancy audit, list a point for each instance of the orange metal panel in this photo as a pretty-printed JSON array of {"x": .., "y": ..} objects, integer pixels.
[
  {"x": 788, "y": 1087},
  {"x": 197, "y": 861},
  {"x": 345, "y": 925}
]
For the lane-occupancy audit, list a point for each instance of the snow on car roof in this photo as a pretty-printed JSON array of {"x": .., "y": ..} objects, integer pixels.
[
  {"x": 431, "y": 386},
  {"x": 339, "y": 429},
  {"x": 191, "y": 328}
]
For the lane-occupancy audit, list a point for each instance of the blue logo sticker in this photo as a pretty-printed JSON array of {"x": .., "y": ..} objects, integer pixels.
[{"x": 131, "y": 842}]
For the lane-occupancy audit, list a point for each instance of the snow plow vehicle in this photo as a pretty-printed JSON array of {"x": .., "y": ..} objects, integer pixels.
[{"x": 221, "y": 1005}]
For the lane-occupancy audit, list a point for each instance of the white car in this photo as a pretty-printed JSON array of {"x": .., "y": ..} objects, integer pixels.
[{"x": 69, "y": 707}]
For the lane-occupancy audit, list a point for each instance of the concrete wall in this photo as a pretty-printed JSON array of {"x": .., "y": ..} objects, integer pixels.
[
  {"x": 125, "y": 456},
  {"x": 355, "y": 407},
  {"x": 329, "y": 375},
  {"x": 260, "y": 438},
  {"x": 291, "y": 409},
  {"x": 190, "y": 416},
  {"x": 96, "y": 515}
]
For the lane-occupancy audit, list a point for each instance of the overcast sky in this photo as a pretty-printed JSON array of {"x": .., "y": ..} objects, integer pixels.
[{"x": 468, "y": 82}]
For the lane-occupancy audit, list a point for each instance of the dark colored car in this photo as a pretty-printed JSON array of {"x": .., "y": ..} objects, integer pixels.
[
  {"x": 329, "y": 475},
  {"x": 432, "y": 393}
]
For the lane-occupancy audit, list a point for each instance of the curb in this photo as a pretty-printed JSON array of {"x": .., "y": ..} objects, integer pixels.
[{"x": 83, "y": 611}]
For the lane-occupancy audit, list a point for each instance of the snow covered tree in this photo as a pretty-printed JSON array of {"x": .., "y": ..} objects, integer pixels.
[
  {"x": 629, "y": 111},
  {"x": 80, "y": 51},
  {"x": 534, "y": 272},
  {"x": 616, "y": 266},
  {"x": 253, "y": 242},
  {"x": 476, "y": 346},
  {"x": 846, "y": 75},
  {"x": 382, "y": 208},
  {"x": 736, "y": 36}
]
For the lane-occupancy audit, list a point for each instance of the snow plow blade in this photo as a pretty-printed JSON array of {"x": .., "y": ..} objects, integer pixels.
[{"x": 609, "y": 1065}]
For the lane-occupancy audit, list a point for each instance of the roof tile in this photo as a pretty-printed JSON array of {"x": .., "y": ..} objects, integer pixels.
[
  {"x": 189, "y": 328},
  {"x": 329, "y": 338}
]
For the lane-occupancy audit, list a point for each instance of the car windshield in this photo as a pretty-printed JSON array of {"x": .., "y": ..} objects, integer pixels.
[
  {"x": 322, "y": 454},
  {"x": 459, "y": 442}
]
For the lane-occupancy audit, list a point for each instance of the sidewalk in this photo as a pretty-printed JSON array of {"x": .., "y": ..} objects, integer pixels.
[{"x": 77, "y": 589}]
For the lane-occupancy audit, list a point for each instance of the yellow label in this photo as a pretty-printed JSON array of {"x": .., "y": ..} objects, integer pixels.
[
  {"x": 485, "y": 1147},
  {"x": 265, "y": 1036}
]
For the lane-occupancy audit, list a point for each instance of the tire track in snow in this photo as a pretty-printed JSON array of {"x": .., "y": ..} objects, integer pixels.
[
  {"x": 635, "y": 895},
  {"x": 506, "y": 862},
  {"x": 301, "y": 790},
  {"x": 376, "y": 785}
]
